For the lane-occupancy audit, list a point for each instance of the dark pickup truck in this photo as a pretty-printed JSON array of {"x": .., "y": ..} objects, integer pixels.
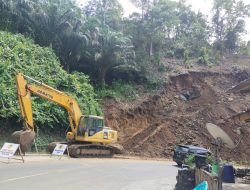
[{"x": 182, "y": 151}]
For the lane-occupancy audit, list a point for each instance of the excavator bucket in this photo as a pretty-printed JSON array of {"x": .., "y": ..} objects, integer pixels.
[{"x": 24, "y": 138}]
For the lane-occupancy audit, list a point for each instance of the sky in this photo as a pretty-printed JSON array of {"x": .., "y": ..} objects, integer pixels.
[{"x": 203, "y": 6}]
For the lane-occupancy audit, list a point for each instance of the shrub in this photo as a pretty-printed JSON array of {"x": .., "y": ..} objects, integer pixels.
[
  {"x": 189, "y": 160},
  {"x": 118, "y": 90},
  {"x": 19, "y": 54},
  {"x": 204, "y": 56}
]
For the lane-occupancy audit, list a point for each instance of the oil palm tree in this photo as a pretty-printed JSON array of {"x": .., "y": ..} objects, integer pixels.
[{"x": 109, "y": 49}]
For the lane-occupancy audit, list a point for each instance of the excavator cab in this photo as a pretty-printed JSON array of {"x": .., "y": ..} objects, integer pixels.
[
  {"x": 90, "y": 124},
  {"x": 91, "y": 128}
]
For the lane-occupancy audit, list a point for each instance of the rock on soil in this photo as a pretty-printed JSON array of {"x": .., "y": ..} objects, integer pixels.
[{"x": 151, "y": 127}]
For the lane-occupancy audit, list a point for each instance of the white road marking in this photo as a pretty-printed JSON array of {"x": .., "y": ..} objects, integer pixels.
[
  {"x": 18, "y": 178},
  {"x": 35, "y": 175}
]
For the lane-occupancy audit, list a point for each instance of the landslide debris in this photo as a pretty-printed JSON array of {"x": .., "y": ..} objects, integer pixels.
[{"x": 178, "y": 114}]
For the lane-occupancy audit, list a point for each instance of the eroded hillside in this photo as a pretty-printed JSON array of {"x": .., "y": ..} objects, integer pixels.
[{"x": 178, "y": 114}]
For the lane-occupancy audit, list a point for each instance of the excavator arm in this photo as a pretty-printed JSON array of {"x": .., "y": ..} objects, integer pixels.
[
  {"x": 46, "y": 92},
  {"x": 24, "y": 91},
  {"x": 24, "y": 102}
]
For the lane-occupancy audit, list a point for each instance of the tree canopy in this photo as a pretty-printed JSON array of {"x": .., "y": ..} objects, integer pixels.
[
  {"x": 228, "y": 23},
  {"x": 96, "y": 39}
]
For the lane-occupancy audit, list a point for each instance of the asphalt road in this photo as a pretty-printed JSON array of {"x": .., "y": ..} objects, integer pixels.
[{"x": 82, "y": 174}]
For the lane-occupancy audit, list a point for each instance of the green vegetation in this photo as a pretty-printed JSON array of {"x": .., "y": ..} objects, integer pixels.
[
  {"x": 98, "y": 41},
  {"x": 119, "y": 90},
  {"x": 229, "y": 24},
  {"x": 204, "y": 56},
  {"x": 43, "y": 138},
  {"x": 189, "y": 160},
  {"x": 19, "y": 54}
]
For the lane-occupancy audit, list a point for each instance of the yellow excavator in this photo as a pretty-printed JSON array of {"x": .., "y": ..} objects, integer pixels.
[{"x": 87, "y": 136}]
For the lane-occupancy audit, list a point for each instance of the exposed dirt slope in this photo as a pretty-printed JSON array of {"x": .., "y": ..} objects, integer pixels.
[{"x": 178, "y": 114}]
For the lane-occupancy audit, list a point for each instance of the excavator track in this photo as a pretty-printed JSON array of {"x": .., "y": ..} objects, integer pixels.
[{"x": 90, "y": 150}]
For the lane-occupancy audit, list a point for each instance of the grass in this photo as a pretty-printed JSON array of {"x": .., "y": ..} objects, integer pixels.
[
  {"x": 43, "y": 139},
  {"x": 123, "y": 91},
  {"x": 118, "y": 90}
]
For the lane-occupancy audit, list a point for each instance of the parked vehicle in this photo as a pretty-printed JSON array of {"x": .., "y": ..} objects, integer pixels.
[{"x": 182, "y": 151}]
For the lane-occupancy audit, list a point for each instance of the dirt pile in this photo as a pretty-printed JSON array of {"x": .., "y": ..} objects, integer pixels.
[{"x": 178, "y": 114}]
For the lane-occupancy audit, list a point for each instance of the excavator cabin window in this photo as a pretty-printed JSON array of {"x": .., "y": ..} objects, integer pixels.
[
  {"x": 90, "y": 123},
  {"x": 94, "y": 123}
]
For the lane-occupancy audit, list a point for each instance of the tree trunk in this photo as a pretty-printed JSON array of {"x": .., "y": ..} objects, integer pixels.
[
  {"x": 67, "y": 67},
  {"x": 101, "y": 76},
  {"x": 151, "y": 48}
]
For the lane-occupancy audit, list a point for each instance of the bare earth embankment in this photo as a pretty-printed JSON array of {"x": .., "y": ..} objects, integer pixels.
[{"x": 178, "y": 113}]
